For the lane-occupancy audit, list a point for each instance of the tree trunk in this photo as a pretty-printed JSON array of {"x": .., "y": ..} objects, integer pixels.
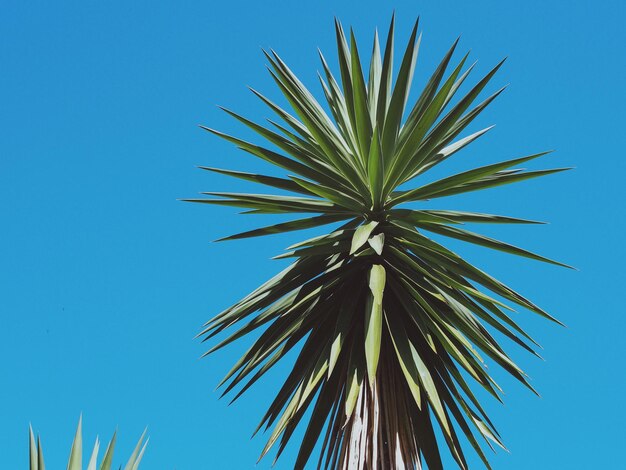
[{"x": 374, "y": 439}]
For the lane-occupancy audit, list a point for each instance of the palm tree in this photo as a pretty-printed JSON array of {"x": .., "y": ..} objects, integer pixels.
[{"x": 391, "y": 324}]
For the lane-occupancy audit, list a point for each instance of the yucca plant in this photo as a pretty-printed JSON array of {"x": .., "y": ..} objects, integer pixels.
[
  {"x": 76, "y": 454},
  {"x": 390, "y": 324}
]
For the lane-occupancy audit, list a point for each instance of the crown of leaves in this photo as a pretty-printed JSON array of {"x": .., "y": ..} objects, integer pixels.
[{"x": 390, "y": 322}]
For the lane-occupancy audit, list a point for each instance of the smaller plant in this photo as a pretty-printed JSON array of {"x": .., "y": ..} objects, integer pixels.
[{"x": 76, "y": 454}]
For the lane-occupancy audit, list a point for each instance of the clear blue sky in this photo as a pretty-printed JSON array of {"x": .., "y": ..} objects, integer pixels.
[{"x": 105, "y": 278}]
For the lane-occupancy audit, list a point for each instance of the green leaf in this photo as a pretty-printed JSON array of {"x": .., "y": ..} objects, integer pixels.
[
  {"x": 342, "y": 329},
  {"x": 323, "y": 406},
  {"x": 354, "y": 388},
  {"x": 427, "y": 96},
  {"x": 76, "y": 454},
  {"x": 107, "y": 460},
  {"x": 417, "y": 371},
  {"x": 277, "y": 204},
  {"x": 140, "y": 456},
  {"x": 275, "y": 158},
  {"x": 447, "y": 151},
  {"x": 431, "y": 189},
  {"x": 331, "y": 194},
  {"x": 450, "y": 124},
  {"x": 416, "y": 130},
  {"x": 403, "y": 353},
  {"x": 40, "y": 462},
  {"x": 375, "y": 171},
  {"x": 374, "y": 320},
  {"x": 309, "y": 155},
  {"x": 138, "y": 451},
  {"x": 361, "y": 235},
  {"x": 377, "y": 243},
  {"x": 345, "y": 68},
  {"x": 475, "y": 217},
  {"x": 477, "y": 239},
  {"x": 32, "y": 450},
  {"x": 94, "y": 456},
  {"x": 373, "y": 82},
  {"x": 498, "y": 179},
  {"x": 385, "y": 90},
  {"x": 363, "y": 123},
  {"x": 322, "y": 129},
  {"x": 279, "y": 183},
  {"x": 288, "y": 226},
  {"x": 400, "y": 94}
]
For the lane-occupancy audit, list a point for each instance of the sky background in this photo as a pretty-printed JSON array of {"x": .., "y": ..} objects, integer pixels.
[{"x": 105, "y": 277}]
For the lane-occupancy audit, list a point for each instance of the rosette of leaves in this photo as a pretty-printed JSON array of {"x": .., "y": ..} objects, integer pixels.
[
  {"x": 75, "y": 461},
  {"x": 390, "y": 324}
]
